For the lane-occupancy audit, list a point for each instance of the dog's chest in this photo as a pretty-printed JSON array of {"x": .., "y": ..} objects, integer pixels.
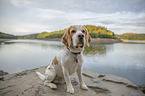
[{"x": 73, "y": 63}]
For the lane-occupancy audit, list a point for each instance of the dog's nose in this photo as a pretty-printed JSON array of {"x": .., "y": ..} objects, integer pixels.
[{"x": 81, "y": 36}]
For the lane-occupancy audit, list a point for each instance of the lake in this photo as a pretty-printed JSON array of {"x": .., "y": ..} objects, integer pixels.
[{"x": 126, "y": 59}]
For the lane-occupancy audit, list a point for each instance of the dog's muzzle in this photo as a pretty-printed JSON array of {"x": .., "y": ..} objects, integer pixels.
[
  {"x": 81, "y": 37},
  {"x": 80, "y": 41}
]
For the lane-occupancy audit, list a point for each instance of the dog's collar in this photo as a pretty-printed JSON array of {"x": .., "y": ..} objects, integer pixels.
[{"x": 73, "y": 52}]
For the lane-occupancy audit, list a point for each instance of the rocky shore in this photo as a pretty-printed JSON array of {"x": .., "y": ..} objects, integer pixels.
[{"x": 27, "y": 83}]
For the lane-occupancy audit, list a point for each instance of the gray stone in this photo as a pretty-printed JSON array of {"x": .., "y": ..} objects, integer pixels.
[
  {"x": 132, "y": 86},
  {"x": 101, "y": 75},
  {"x": 27, "y": 83}
]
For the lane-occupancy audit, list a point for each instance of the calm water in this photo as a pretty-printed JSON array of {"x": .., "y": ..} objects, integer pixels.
[{"x": 121, "y": 59}]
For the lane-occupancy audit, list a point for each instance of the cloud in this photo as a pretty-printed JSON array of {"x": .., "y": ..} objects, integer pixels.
[
  {"x": 49, "y": 13},
  {"x": 127, "y": 29},
  {"x": 22, "y": 28},
  {"x": 136, "y": 21},
  {"x": 51, "y": 20},
  {"x": 33, "y": 16},
  {"x": 19, "y": 3},
  {"x": 101, "y": 6}
]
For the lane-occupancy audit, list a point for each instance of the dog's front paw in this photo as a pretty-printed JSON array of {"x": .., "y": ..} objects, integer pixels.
[
  {"x": 70, "y": 89},
  {"x": 84, "y": 87},
  {"x": 51, "y": 85}
]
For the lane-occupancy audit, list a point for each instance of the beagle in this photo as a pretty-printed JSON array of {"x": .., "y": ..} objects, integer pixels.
[{"x": 69, "y": 60}]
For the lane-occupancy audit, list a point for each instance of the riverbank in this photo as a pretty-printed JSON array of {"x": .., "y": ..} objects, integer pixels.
[
  {"x": 27, "y": 83},
  {"x": 95, "y": 40},
  {"x": 134, "y": 41},
  {"x": 7, "y": 39},
  {"x": 131, "y": 40},
  {"x": 3, "y": 40}
]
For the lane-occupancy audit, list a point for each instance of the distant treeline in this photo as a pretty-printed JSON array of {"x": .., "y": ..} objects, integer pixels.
[
  {"x": 95, "y": 32},
  {"x": 100, "y": 32},
  {"x": 131, "y": 36},
  {"x": 7, "y": 36}
]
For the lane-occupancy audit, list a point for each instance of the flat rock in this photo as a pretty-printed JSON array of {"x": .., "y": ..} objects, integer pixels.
[{"x": 27, "y": 83}]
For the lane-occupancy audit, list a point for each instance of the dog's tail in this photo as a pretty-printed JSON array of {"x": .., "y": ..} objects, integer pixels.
[{"x": 41, "y": 76}]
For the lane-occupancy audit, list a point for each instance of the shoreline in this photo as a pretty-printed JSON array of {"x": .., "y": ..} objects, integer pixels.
[
  {"x": 3, "y": 40},
  {"x": 131, "y": 40},
  {"x": 7, "y": 39},
  {"x": 27, "y": 83},
  {"x": 94, "y": 40}
]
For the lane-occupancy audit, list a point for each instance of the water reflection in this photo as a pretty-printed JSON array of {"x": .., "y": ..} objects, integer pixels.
[{"x": 95, "y": 49}]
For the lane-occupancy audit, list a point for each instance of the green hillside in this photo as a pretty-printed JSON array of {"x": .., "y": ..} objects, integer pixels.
[
  {"x": 100, "y": 32},
  {"x": 30, "y": 36},
  {"x": 7, "y": 36},
  {"x": 131, "y": 36},
  {"x": 95, "y": 32}
]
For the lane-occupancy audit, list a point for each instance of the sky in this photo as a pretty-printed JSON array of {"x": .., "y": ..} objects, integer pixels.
[{"x": 21, "y": 17}]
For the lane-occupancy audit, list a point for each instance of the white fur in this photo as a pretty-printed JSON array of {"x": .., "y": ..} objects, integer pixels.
[
  {"x": 42, "y": 77},
  {"x": 66, "y": 66}
]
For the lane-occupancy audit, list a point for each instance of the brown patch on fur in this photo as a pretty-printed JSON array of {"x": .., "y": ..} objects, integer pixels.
[
  {"x": 54, "y": 61},
  {"x": 50, "y": 68},
  {"x": 87, "y": 37},
  {"x": 71, "y": 29}
]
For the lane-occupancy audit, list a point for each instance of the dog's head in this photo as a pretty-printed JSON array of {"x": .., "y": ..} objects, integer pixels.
[{"x": 76, "y": 37}]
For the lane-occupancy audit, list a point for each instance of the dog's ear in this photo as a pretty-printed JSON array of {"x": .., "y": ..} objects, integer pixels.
[
  {"x": 88, "y": 38},
  {"x": 66, "y": 38}
]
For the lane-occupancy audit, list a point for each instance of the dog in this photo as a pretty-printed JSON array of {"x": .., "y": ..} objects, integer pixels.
[{"x": 69, "y": 60}]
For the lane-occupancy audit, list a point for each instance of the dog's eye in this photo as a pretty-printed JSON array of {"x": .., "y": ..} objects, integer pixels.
[
  {"x": 83, "y": 31},
  {"x": 73, "y": 31}
]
